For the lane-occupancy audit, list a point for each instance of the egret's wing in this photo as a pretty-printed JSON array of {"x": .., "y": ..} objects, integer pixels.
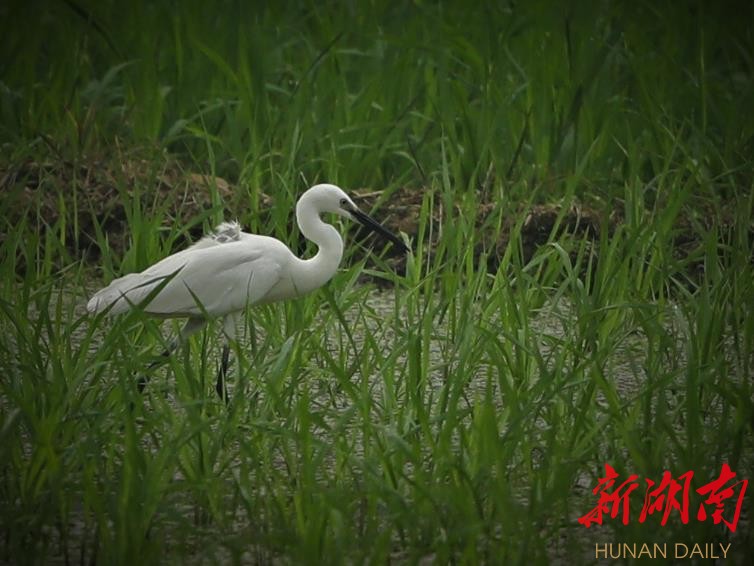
[{"x": 212, "y": 280}]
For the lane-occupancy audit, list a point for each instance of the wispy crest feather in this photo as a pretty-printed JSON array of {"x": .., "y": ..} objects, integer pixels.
[{"x": 223, "y": 233}]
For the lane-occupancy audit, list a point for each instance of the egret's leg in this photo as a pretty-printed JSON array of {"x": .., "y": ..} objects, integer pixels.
[
  {"x": 230, "y": 329},
  {"x": 192, "y": 326},
  {"x": 222, "y": 390}
]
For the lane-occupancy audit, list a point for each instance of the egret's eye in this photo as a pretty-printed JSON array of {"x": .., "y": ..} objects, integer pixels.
[{"x": 343, "y": 202}]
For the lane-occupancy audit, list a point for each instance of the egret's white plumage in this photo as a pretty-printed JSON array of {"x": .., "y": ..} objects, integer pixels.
[
  {"x": 214, "y": 276},
  {"x": 224, "y": 272}
]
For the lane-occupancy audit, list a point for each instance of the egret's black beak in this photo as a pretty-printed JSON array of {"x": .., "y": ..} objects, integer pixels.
[{"x": 375, "y": 226}]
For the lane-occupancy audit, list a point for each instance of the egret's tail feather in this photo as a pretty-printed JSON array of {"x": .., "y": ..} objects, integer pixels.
[
  {"x": 125, "y": 292},
  {"x": 113, "y": 295}
]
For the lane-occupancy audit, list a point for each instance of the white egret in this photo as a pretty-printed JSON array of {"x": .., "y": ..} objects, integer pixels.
[{"x": 222, "y": 273}]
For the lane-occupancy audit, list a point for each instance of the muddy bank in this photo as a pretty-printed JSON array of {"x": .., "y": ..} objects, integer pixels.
[{"x": 79, "y": 199}]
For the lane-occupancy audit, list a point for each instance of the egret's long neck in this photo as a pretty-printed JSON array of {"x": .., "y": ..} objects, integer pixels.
[{"x": 315, "y": 272}]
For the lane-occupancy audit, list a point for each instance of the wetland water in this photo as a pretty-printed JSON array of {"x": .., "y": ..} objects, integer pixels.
[{"x": 543, "y": 346}]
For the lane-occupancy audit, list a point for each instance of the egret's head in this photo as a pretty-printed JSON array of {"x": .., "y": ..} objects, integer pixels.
[{"x": 329, "y": 198}]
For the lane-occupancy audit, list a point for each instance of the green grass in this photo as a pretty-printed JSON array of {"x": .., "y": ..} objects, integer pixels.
[{"x": 461, "y": 415}]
